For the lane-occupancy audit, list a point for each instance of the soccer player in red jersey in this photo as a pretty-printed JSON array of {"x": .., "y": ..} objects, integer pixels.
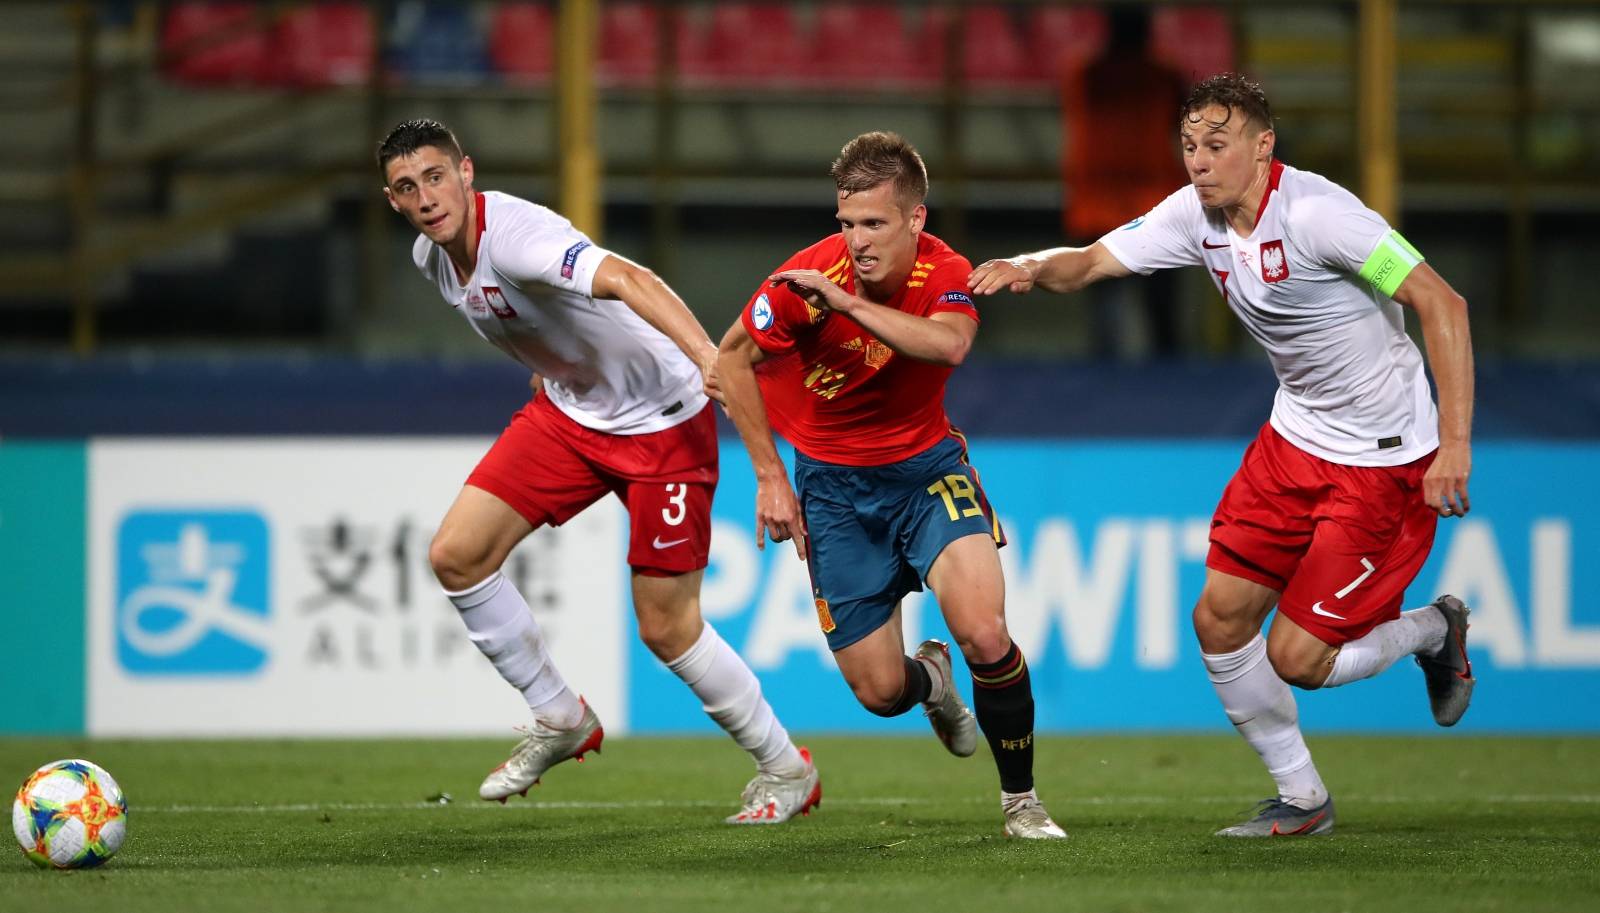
[
  {"x": 1333, "y": 510},
  {"x": 845, "y": 351}
]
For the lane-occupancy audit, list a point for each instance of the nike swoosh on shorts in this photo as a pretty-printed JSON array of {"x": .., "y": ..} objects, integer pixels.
[
  {"x": 657, "y": 543},
  {"x": 1316, "y": 609}
]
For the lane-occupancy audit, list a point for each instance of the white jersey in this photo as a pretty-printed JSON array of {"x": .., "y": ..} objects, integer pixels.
[
  {"x": 1311, "y": 284},
  {"x": 602, "y": 364}
]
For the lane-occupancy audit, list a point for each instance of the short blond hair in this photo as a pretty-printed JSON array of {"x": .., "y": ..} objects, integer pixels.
[{"x": 873, "y": 158}]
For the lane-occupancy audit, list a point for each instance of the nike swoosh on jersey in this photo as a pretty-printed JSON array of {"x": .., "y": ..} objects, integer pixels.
[
  {"x": 657, "y": 543},
  {"x": 1209, "y": 246},
  {"x": 1317, "y": 609}
]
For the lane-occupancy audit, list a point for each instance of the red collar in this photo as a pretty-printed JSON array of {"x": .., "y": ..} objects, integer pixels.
[
  {"x": 1275, "y": 173},
  {"x": 483, "y": 215}
]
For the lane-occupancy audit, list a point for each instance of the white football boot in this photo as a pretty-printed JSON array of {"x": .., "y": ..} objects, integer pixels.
[
  {"x": 542, "y": 749},
  {"x": 952, "y": 722},
  {"x": 1026, "y": 818},
  {"x": 771, "y": 799}
]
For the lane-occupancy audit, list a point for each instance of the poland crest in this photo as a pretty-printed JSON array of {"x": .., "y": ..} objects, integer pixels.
[{"x": 1274, "y": 265}]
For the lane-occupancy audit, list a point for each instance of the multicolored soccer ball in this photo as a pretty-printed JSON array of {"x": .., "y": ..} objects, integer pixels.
[{"x": 69, "y": 815}]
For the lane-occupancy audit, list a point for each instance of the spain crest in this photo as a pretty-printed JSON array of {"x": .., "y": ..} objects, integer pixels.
[{"x": 877, "y": 354}]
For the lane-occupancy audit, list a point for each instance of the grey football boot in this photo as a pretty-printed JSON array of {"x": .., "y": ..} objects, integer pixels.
[
  {"x": 771, "y": 799},
  {"x": 1448, "y": 673},
  {"x": 1027, "y": 818},
  {"x": 1277, "y": 818},
  {"x": 542, "y": 749},
  {"x": 952, "y": 722}
]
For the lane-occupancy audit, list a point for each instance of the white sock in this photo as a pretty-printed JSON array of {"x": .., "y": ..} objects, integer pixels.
[
  {"x": 1263, "y": 710},
  {"x": 1417, "y": 631},
  {"x": 731, "y": 695},
  {"x": 500, "y": 624}
]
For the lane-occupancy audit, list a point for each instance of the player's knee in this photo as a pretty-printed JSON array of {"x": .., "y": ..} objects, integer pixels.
[
  {"x": 1218, "y": 629},
  {"x": 879, "y": 695},
  {"x": 456, "y": 565},
  {"x": 1296, "y": 669},
  {"x": 985, "y": 643},
  {"x": 668, "y": 637}
]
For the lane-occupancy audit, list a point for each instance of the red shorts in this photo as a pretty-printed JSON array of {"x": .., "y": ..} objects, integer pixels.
[
  {"x": 548, "y": 468},
  {"x": 1341, "y": 543}
]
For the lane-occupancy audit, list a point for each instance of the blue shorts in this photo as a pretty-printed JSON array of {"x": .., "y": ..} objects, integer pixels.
[{"x": 874, "y": 531}]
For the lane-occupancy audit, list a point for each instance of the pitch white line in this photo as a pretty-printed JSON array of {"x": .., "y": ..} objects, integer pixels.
[{"x": 478, "y": 805}]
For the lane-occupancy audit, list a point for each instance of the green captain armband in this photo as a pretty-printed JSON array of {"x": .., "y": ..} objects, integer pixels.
[{"x": 1391, "y": 262}]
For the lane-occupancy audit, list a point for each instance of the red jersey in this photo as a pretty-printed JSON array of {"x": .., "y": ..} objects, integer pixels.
[{"x": 831, "y": 388}]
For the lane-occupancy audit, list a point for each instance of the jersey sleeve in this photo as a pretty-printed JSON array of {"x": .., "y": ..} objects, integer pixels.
[
  {"x": 553, "y": 254},
  {"x": 1336, "y": 231},
  {"x": 1163, "y": 238},
  {"x": 947, "y": 289},
  {"x": 775, "y": 316}
]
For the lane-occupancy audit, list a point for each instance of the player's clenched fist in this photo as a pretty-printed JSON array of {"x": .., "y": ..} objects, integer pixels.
[{"x": 995, "y": 275}]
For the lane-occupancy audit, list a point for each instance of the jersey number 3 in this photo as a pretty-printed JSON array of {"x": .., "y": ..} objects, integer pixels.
[{"x": 669, "y": 514}]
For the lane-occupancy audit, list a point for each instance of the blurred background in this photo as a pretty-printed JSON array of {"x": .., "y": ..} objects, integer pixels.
[
  {"x": 200, "y": 282},
  {"x": 160, "y": 153}
]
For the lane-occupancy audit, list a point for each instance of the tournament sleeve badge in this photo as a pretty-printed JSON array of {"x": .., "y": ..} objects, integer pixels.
[
  {"x": 761, "y": 313},
  {"x": 569, "y": 260}
]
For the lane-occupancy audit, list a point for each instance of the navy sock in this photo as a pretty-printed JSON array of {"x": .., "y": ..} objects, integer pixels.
[
  {"x": 918, "y": 686},
  {"x": 1002, "y": 699}
]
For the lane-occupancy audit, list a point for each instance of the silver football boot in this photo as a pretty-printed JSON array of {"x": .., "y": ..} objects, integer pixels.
[
  {"x": 541, "y": 749},
  {"x": 771, "y": 799},
  {"x": 1448, "y": 673},
  {"x": 1026, "y": 818},
  {"x": 952, "y": 722},
  {"x": 1277, "y": 818}
]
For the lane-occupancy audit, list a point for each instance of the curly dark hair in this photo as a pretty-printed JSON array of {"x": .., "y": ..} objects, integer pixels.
[
  {"x": 1232, "y": 92},
  {"x": 406, "y": 138},
  {"x": 872, "y": 158}
]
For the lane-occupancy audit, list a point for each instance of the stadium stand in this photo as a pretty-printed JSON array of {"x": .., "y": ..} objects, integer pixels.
[
  {"x": 522, "y": 42},
  {"x": 325, "y": 44},
  {"x": 215, "y": 43}
]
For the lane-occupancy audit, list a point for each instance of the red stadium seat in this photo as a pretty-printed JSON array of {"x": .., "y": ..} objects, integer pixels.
[
  {"x": 628, "y": 42},
  {"x": 1195, "y": 41},
  {"x": 522, "y": 41},
  {"x": 214, "y": 43},
  {"x": 992, "y": 51},
  {"x": 324, "y": 44},
  {"x": 748, "y": 43},
  {"x": 1063, "y": 39},
  {"x": 862, "y": 44}
]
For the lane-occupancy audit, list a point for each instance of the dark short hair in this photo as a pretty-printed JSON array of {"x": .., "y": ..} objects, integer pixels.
[
  {"x": 873, "y": 158},
  {"x": 406, "y": 138},
  {"x": 1233, "y": 92}
]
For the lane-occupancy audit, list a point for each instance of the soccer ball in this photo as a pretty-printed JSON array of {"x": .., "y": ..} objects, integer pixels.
[{"x": 69, "y": 815}]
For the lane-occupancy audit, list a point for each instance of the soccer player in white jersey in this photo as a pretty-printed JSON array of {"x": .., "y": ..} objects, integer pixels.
[
  {"x": 626, "y": 372},
  {"x": 1332, "y": 512}
]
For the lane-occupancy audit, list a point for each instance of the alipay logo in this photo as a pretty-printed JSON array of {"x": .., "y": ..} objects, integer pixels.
[{"x": 192, "y": 592}]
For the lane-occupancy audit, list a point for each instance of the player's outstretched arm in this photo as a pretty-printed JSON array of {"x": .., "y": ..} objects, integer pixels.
[
  {"x": 651, "y": 298},
  {"x": 942, "y": 339},
  {"x": 1448, "y": 336},
  {"x": 777, "y": 508},
  {"x": 1060, "y": 269}
]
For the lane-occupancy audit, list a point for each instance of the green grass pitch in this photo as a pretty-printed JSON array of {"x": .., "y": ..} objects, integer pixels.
[{"x": 1447, "y": 823}]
